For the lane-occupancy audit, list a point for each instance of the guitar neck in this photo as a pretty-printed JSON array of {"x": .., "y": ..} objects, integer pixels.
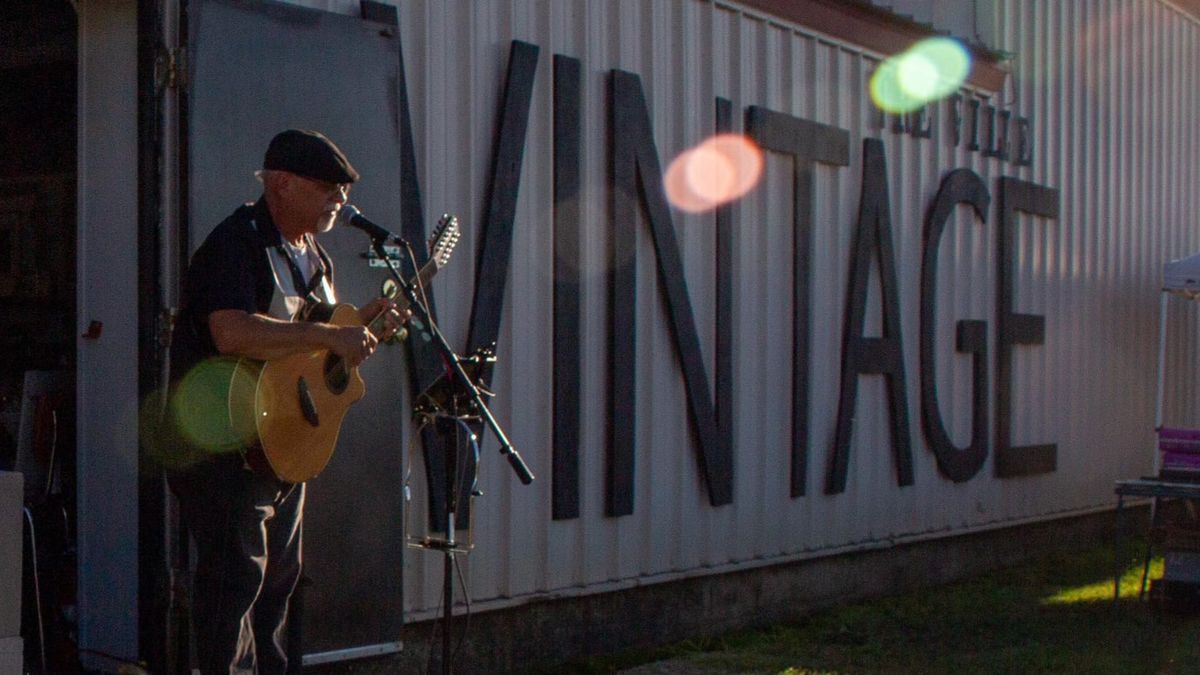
[
  {"x": 431, "y": 268},
  {"x": 420, "y": 280}
]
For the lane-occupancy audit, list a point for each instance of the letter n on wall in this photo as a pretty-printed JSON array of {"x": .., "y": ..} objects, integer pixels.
[{"x": 636, "y": 179}]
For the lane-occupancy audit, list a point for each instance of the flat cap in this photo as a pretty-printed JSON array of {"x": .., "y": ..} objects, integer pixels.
[{"x": 309, "y": 154}]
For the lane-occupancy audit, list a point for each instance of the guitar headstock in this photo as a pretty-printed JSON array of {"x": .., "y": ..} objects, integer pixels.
[{"x": 444, "y": 238}]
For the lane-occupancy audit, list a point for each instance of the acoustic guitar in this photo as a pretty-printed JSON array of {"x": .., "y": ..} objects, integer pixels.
[{"x": 294, "y": 405}]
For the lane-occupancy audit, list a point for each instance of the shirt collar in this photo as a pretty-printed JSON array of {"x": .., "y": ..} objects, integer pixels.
[{"x": 266, "y": 225}]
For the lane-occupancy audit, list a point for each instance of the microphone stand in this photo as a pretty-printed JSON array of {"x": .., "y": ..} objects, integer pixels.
[
  {"x": 464, "y": 383},
  {"x": 455, "y": 362}
]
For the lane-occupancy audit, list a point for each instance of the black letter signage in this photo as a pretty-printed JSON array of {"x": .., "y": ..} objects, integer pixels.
[
  {"x": 491, "y": 270},
  {"x": 723, "y": 363},
  {"x": 636, "y": 178},
  {"x": 961, "y": 186},
  {"x": 808, "y": 143},
  {"x": 1017, "y": 329},
  {"x": 565, "y": 441},
  {"x": 872, "y": 356}
]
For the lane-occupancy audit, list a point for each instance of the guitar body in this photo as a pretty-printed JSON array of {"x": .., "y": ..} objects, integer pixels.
[
  {"x": 295, "y": 405},
  {"x": 289, "y": 410}
]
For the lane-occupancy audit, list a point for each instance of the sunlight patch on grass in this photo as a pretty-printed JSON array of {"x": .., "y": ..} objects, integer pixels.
[
  {"x": 1051, "y": 615},
  {"x": 1131, "y": 584}
]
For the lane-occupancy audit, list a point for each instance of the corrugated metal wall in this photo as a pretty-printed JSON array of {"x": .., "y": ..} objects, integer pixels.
[{"x": 1110, "y": 87}]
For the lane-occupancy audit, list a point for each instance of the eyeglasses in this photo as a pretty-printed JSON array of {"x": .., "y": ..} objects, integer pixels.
[
  {"x": 340, "y": 189},
  {"x": 326, "y": 187}
]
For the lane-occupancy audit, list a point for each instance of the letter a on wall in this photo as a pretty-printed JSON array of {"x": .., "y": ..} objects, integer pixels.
[{"x": 872, "y": 356}]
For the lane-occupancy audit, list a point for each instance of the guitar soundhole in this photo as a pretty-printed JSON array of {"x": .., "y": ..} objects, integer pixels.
[{"x": 336, "y": 377}]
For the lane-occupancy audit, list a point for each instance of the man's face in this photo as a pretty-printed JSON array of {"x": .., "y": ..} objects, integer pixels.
[{"x": 320, "y": 201}]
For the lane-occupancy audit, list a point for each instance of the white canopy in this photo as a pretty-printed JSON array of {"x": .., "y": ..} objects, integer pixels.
[
  {"x": 1180, "y": 277},
  {"x": 1183, "y": 276}
]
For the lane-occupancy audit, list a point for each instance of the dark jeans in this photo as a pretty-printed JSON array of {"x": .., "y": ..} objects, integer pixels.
[{"x": 247, "y": 529}]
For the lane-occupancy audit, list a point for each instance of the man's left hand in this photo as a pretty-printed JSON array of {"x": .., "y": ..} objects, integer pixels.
[{"x": 393, "y": 318}]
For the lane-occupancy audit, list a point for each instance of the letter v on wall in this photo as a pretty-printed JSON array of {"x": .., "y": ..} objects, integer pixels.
[{"x": 496, "y": 240}]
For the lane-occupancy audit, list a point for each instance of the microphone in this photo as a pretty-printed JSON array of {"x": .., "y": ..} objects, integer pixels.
[{"x": 352, "y": 217}]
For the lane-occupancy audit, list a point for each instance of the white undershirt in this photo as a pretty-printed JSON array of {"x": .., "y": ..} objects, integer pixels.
[{"x": 289, "y": 301}]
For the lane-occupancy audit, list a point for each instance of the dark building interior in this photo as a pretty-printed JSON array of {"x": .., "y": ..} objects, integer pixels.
[{"x": 38, "y": 127}]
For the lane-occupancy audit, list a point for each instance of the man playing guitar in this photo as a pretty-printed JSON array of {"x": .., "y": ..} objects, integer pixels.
[{"x": 249, "y": 283}]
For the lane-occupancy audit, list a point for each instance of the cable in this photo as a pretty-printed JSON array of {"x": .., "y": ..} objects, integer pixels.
[
  {"x": 37, "y": 586},
  {"x": 413, "y": 444},
  {"x": 462, "y": 466},
  {"x": 433, "y": 636},
  {"x": 424, "y": 421},
  {"x": 467, "y": 619},
  {"x": 420, "y": 284},
  {"x": 460, "y": 472},
  {"x": 412, "y": 449},
  {"x": 474, "y": 447},
  {"x": 412, "y": 259}
]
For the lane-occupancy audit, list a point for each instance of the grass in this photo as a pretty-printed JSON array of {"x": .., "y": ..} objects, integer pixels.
[{"x": 1054, "y": 615}]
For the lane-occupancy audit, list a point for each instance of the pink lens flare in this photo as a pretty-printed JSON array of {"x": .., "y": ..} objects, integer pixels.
[{"x": 718, "y": 170}]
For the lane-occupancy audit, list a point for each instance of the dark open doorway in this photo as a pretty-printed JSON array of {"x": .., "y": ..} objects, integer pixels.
[{"x": 38, "y": 129}]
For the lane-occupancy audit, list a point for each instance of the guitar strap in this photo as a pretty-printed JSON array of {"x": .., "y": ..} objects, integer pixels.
[
  {"x": 298, "y": 277},
  {"x": 305, "y": 290}
]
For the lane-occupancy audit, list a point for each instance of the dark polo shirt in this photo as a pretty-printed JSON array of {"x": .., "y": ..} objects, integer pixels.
[{"x": 230, "y": 270}]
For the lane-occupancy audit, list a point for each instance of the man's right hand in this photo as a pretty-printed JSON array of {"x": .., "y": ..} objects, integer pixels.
[
  {"x": 352, "y": 343},
  {"x": 260, "y": 337}
]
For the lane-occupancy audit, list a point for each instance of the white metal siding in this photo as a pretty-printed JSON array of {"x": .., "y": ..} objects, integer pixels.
[{"x": 1110, "y": 86}]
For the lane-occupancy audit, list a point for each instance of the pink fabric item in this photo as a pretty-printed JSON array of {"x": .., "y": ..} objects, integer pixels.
[
  {"x": 1177, "y": 433},
  {"x": 1179, "y": 446},
  {"x": 1179, "y": 440},
  {"x": 1181, "y": 460}
]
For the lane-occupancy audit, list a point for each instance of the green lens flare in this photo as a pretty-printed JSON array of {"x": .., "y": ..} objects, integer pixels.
[
  {"x": 886, "y": 91},
  {"x": 929, "y": 70},
  {"x": 949, "y": 65},
  {"x": 918, "y": 76},
  {"x": 200, "y": 406}
]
